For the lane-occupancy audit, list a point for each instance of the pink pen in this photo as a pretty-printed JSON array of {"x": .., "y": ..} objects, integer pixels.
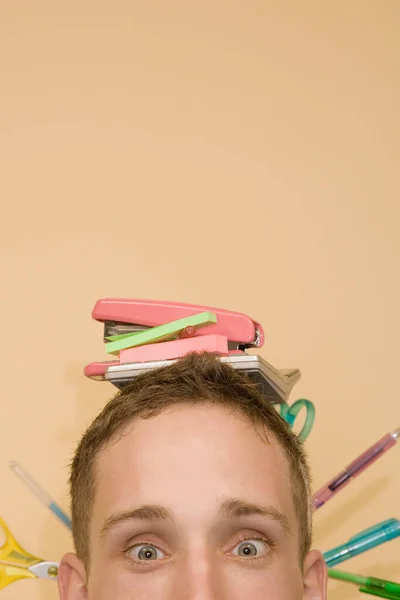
[{"x": 355, "y": 468}]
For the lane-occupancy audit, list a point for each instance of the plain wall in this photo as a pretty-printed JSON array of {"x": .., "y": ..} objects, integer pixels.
[{"x": 237, "y": 154}]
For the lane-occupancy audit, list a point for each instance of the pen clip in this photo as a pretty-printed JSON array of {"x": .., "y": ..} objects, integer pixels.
[{"x": 374, "y": 529}]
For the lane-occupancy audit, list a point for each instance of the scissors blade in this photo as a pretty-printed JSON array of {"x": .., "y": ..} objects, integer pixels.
[{"x": 45, "y": 569}]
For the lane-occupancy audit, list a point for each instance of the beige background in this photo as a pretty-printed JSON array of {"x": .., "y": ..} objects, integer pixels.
[{"x": 237, "y": 154}]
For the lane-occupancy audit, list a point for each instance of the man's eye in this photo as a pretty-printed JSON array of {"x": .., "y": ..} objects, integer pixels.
[
  {"x": 251, "y": 548},
  {"x": 145, "y": 552}
]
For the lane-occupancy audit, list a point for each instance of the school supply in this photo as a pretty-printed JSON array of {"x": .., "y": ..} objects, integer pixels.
[
  {"x": 355, "y": 468},
  {"x": 367, "y": 539},
  {"x": 16, "y": 563},
  {"x": 217, "y": 344},
  {"x": 274, "y": 384},
  {"x": 369, "y": 585},
  {"x": 131, "y": 329},
  {"x": 121, "y": 316},
  {"x": 40, "y": 493},
  {"x": 290, "y": 414},
  {"x": 161, "y": 333}
]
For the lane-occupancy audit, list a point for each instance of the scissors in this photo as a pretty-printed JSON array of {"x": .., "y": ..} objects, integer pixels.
[
  {"x": 290, "y": 413},
  {"x": 16, "y": 563}
]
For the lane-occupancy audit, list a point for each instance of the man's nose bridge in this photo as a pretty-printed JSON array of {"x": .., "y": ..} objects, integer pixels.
[{"x": 200, "y": 576}]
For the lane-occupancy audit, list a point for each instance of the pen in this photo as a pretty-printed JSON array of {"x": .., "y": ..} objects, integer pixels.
[
  {"x": 369, "y": 585},
  {"x": 355, "y": 468},
  {"x": 40, "y": 493},
  {"x": 367, "y": 539}
]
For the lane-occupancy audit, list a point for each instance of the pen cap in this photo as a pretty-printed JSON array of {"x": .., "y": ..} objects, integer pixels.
[
  {"x": 390, "y": 587},
  {"x": 382, "y": 532},
  {"x": 381, "y": 593}
]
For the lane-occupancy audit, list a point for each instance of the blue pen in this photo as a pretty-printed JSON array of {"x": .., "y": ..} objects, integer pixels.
[
  {"x": 40, "y": 493},
  {"x": 367, "y": 539}
]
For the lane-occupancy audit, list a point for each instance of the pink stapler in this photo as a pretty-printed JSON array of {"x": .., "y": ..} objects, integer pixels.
[
  {"x": 127, "y": 316},
  {"x": 229, "y": 337}
]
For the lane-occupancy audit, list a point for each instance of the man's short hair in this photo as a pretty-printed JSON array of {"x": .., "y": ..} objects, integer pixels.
[{"x": 195, "y": 378}]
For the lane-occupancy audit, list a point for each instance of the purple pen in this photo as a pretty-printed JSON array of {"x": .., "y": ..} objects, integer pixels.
[{"x": 355, "y": 468}]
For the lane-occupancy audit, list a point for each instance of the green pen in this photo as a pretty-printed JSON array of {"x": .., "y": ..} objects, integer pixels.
[{"x": 369, "y": 585}]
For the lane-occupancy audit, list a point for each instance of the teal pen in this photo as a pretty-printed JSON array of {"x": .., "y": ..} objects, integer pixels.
[
  {"x": 40, "y": 493},
  {"x": 367, "y": 539}
]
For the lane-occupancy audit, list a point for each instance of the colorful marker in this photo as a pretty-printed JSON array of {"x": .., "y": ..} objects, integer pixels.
[
  {"x": 369, "y": 585},
  {"x": 355, "y": 468},
  {"x": 366, "y": 540}
]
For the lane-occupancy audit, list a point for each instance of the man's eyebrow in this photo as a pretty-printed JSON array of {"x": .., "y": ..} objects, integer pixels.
[
  {"x": 232, "y": 508},
  {"x": 147, "y": 512}
]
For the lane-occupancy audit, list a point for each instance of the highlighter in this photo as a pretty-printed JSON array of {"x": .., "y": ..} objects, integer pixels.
[
  {"x": 369, "y": 585},
  {"x": 367, "y": 539}
]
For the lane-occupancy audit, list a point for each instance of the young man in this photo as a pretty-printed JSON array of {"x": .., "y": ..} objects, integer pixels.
[{"x": 190, "y": 486}]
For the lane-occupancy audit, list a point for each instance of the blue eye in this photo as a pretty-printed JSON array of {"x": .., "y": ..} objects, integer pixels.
[
  {"x": 251, "y": 548},
  {"x": 145, "y": 552}
]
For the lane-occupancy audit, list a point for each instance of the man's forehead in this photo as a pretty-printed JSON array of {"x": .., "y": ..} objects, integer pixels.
[
  {"x": 197, "y": 453},
  {"x": 185, "y": 430}
]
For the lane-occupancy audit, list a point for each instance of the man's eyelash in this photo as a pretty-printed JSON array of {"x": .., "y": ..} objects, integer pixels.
[
  {"x": 143, "y": 543},
  {"x": 249, "y": 538},
  {"x": 256, "y": 537}
]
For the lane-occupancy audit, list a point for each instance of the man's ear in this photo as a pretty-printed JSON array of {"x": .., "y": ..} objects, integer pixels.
[
  {"x": 315, "y": 576},
  {"x": 72, "y": 579}
]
